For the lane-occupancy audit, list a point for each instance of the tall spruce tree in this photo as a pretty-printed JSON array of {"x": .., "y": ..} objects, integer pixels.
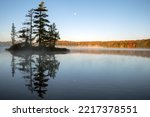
[
  {"x": 41, "y": 23},
  {"x": 29, "y": 24},
  {"x": 13, "y": 33}
]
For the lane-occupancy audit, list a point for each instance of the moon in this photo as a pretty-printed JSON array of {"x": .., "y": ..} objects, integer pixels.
[{"x": 74, "y": 13}]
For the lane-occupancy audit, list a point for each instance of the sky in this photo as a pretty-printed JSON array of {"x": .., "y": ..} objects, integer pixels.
[{"x": 83, "y": 20}]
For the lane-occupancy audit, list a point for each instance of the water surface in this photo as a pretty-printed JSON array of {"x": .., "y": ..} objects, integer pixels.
[{"x": 84, "y": 73}]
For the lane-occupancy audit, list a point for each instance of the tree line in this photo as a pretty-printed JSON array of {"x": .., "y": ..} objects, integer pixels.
[{"x": 145, "y": 43}]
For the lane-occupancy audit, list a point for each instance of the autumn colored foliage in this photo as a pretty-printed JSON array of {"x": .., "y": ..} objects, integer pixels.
[{"x": 145, "y": 43}]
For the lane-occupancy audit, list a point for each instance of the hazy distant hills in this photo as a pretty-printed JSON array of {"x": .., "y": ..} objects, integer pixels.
[{"x": 8, "y": 43}]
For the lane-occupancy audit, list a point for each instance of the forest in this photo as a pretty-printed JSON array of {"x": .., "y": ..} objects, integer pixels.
[{"x": 144, "y": 43}]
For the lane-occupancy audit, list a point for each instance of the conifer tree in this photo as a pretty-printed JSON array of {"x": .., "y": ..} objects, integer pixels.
[
  {"x": 13, "y": 33},
  {"x": 24, "y": 34},
  {"x": 53, "y": 35},
  {"x": 40, "y": 23},
  {"x": 29, "y": 23}
]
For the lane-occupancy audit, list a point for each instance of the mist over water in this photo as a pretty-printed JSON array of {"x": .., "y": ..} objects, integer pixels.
[{"x": 84, "y": 73}]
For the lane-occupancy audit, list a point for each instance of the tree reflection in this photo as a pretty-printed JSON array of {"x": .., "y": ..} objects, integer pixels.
[
  {"x": 13, "y": 66},
  {"x": 36, "y": 69}
]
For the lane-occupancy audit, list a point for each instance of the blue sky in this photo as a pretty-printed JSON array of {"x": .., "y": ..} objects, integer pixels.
[{"x": 84, "y": 20}]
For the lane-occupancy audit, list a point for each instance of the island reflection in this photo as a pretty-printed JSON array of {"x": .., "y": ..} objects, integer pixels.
[
  {"x": 37, "y": 69},
  {"x": 92, "y": 74}
]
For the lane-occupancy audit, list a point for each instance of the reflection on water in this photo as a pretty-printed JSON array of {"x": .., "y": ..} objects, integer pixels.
[
  {"x": 84, "y": 73},
  {"x": 36, "y": 70},
  {"x": 113, "y": 51}
]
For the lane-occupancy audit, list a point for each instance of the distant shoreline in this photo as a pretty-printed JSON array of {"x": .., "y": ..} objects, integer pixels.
[
  {"x": 5, "y": 43},
  {"x": 144, "y": 43}
]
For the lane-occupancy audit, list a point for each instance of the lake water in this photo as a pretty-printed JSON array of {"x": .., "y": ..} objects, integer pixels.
[{"x": 83, "y": 73}]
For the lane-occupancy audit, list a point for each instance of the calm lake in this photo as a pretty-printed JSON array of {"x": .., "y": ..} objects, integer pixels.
[{"x": 83, "y": 73}]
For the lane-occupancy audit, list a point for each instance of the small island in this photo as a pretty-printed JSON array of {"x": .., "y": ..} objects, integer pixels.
[{"x": 37, "y": 33}]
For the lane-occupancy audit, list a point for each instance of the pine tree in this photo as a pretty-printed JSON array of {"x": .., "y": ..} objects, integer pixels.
[
  {"x": 24, "y": 34},
  {"x": 53, "y": 35},
  {"x": 13, "y": 34},
  {"x": 29, "y": 23},
  {"x": 41, "y": 22}
]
